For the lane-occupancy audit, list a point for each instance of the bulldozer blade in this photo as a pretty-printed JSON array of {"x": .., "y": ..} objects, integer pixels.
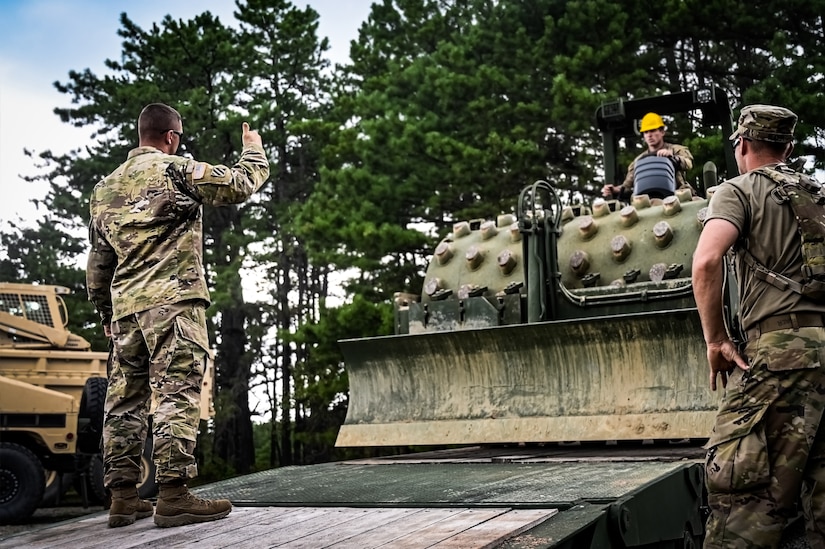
[{"x": 557, "y": 381}]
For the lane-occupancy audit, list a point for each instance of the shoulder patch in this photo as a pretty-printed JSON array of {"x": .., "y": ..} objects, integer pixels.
[
  {"x": 218, "y": 172},
  {"x": 199, "y": 171}
]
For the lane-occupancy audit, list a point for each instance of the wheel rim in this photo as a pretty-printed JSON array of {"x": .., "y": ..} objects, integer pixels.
[
  {"x": 51, "y": 477},
  {"x": 145, "y": 469},
  {"x": 9, "y": 486}
]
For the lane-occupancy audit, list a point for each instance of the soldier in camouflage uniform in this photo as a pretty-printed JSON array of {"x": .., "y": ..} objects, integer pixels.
[
  {"x": 145, "y": 276},
  {"x": 766, "y": 452}
]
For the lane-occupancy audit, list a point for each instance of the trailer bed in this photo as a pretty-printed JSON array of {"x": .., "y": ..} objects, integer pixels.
[{"x": 513, "y": 497}]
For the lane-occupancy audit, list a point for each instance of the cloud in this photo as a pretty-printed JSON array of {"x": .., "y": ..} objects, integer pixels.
[
  {"x": 45, "y": 39},
  {"x": 27, "y": 121}
]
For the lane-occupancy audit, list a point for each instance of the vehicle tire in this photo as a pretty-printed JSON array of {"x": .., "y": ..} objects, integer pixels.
[
  {"x": 99, "y": 492},
  {"x": 90, "y": 418},
  {"x": 57, "y": 484},
  {"x": 22, "y": 483},
  {"x": 147, "y": 485},
  {"x": 89, "y": 478}
]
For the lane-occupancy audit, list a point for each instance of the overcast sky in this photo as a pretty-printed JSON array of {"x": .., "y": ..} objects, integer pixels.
[{"x": 42, "y": 40}]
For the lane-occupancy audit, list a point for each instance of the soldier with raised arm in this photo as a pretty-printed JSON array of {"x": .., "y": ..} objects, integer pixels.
[{"x": 145, "y": 276}]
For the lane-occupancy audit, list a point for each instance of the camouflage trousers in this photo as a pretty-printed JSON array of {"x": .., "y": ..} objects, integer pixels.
[
  {"x": 159, "y": 360},
  {"x": 766, "y": 456}
]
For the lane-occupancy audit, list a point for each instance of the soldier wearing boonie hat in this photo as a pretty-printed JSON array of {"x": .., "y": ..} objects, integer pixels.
[{"x": 766, "y": 443}]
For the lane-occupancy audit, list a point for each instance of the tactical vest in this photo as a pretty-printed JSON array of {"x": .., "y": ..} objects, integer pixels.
[{"x": 807, "y": 200}]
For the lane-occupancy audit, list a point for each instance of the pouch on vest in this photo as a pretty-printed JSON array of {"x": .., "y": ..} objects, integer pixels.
[{"x": 806, "y": 199}]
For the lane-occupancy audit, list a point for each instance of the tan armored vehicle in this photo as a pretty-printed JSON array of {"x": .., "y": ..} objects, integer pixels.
[{"x": 52, "y": 391}]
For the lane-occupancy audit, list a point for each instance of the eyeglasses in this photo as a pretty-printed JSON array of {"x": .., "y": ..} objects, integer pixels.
[
  {"x": 738, "y": 141},
  {"x": 176, "y": 132}
]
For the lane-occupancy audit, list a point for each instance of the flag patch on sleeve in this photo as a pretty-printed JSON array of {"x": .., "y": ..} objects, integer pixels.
[{"x": 199, "y": 171}]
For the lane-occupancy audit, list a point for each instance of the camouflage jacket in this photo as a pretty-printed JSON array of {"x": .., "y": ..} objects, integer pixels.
[{"x": 146, "y": 228}]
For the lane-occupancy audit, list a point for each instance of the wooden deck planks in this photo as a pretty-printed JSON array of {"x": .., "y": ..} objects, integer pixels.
[
  {"x": 446, "y": 528},
  {"x": 495, "y": 531},
  {"x": 364, "y": 521},
  {"x": 192, "y": 535},
  {"x": 292, "y": 534},
  {"x": 300, "y": 528},
  {"x": 412, "y": 521},
  {"x": 267, "y": 521},
  {"x": 65, "y": 534}
]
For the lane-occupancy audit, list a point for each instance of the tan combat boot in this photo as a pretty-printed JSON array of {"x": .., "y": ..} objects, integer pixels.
[
  {"x": 177, "y": 506},
  {"x": 127, "y": 507}
]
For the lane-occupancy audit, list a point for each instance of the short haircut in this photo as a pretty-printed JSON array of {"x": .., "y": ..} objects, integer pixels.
[
  {"x": 760, "y": 147},
  {"x": 156, "y": 118}
]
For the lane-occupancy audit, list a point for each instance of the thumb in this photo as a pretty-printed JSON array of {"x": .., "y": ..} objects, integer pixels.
[
  {"x": 735, "y": 357},
  {"x": 245, "y": 127}
]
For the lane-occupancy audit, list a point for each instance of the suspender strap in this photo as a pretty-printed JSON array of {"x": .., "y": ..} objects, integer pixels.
[{"x": 774, "y": 279}]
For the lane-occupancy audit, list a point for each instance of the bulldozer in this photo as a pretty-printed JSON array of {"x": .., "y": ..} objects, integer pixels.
[
  {"x": 52, "y": 394},
  {"x": 553, "y": 323},
  {"x": 564, "y": 335}
]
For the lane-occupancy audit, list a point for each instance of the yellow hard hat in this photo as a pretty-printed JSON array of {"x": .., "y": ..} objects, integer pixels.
[{"x": 651, "y": 121}]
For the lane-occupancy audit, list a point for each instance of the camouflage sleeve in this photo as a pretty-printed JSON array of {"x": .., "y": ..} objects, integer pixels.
[
  {"x": 219, "y": 185},
  {"x": 684, "y": 157},
  {"x": 100, "y": 269},
  {"x": 627, "y": 184}
]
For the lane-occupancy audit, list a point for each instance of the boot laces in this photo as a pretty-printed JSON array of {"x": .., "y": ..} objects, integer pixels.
[{"x": 189, "y": 496}]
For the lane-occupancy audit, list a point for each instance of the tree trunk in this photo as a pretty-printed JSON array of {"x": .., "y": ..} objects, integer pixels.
[{"x": 233, "y": 426}]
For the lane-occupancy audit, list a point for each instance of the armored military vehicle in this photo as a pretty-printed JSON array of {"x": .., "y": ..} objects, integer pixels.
[
  {"x": 553, "y": 323},
  {"x": 568, "y": 335},
  {"x": 52, "y": 391},
  {"x": 52, "y": 388}
]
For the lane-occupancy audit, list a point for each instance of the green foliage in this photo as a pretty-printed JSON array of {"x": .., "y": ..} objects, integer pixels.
[
  {"x": 446, "y": 110},
  {"x": 261, "y": 433},
  {"x": 211, "y": 467},
  {"x": 706, "y": 149},
  {"x": 321, "y": 385}
]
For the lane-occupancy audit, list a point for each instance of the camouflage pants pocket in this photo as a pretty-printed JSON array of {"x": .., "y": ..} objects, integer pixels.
[
  {"x": 195, "y": 333},
  {"x": 737, "y": 458},
  {"x": 788, "y": 350}
]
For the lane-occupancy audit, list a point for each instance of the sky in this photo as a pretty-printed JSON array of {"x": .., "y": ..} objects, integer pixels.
[{"x": 42, "y": 40}]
